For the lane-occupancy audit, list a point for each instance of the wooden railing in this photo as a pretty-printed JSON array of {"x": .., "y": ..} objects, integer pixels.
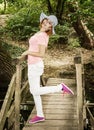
[
  {"x": 90, "y": 115},
  {"x": 82, "y": 106},
  {"x": 19, "y": 83},
  {"x": 7, "y": 102},
  {"x": 12, "y": 99},
  {"x": 79, "y": 80}
]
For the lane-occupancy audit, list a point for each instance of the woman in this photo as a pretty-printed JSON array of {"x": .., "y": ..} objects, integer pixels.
[{"x": 37, "y": 46}]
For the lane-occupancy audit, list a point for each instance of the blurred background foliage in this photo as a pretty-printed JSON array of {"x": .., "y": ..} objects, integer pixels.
[{"x": 24, "y": 20}]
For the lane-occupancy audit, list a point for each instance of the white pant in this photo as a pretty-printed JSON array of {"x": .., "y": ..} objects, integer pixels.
[{"x": 34, "y": 73}]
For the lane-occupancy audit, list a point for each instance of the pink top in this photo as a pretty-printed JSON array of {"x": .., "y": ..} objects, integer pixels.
[{"x": 39, "y": 38}]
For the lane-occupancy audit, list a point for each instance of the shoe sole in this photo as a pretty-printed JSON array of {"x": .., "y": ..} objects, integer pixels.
[
  {"x": 36, "y": 121},
  {"x": 70, "y": 91}
]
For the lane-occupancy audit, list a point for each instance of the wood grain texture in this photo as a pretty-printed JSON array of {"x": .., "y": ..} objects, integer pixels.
[{"x": 59, "y": 110}]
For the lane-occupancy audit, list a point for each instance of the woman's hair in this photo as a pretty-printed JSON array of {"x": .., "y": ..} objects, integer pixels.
[{"x": 49, "y": 32}]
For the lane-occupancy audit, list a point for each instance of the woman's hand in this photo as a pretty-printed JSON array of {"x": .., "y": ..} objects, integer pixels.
[
  {"x": 23, "y": 56},
  {"x": 25, "y": 53}
]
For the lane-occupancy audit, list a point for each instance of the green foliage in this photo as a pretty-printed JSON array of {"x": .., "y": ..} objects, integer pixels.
[
  {"x": 73, "y": 43},
  {"x": 22, "y": 24},
  {"x": 1, "y": 31},
  {"x": 1, "y": 1},
  {"x": 63, "y": 29},
  {"x": 25, "y": 22},
  {"x": 61, "y": 36},
  {"x": 13, "y": 51},
  {"x": 11, "y": 9},
  {"x": 87, "y": 13}
]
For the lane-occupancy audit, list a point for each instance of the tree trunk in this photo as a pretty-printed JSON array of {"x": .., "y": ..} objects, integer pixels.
[
  {"x": 86, "y": 37},
  {"x": 60, "y": 8},
  {"x": 49, "y": 6},
  {"x": 4, "y": 5}
]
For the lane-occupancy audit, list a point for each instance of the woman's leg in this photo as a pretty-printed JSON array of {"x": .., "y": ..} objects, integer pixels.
[
  {"x": 34, "y": 82},
  {"x": 34, "y": 73},
  {"x": 47, "y": 90}
]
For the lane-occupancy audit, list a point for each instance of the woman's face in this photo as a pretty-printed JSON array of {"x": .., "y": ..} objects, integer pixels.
[{"x": 46, "y": 25}]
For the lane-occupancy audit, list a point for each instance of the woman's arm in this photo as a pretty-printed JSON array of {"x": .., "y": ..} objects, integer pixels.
[{"x": 40, "y": 53}]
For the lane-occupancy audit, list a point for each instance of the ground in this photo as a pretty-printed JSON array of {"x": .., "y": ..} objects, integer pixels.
[{"x": 60, "y": 60}]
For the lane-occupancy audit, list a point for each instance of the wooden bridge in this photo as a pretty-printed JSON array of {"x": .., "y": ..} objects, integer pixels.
[{"x": 62, "y": 112}]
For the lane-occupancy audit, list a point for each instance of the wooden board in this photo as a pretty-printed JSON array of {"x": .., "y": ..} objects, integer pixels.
[{"x": 60, "y": 111}]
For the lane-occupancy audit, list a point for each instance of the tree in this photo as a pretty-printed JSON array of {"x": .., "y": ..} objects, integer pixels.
[
  {"x": 29, "y": 10},
  {"x": 85, "y": 35},
  {"x": 5, "y": 5}
]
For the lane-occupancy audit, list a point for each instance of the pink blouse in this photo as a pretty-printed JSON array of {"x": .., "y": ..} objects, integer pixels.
[{"x": 39, "y": 38}]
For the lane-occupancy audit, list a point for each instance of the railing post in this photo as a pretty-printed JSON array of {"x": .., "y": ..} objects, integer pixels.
[
  {"x": 78, "y": 64},
  {"x": 17, "y": 96}
]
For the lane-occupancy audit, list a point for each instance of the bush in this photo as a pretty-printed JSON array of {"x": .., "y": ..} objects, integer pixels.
[
  {"x": 74, "y": 42},
  {"x": 25, "y": 20},
  {"x": 13, "y": 51},
  {"x": 22, "y": 24},
  {"x": 62, "y": 32}
]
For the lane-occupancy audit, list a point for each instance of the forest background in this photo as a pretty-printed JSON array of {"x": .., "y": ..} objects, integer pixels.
[{"x": 74, "y": 31}]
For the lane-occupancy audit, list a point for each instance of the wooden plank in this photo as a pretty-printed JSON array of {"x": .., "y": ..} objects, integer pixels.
[
  {"x": 60, "y": 80},
  {"x": 17, "y": 96},
  {"x": 50, "y": 128},
  {"x": 91, "y": 117},
  {"x": 56, "y": 81},
  {"x": 79, "y": 96},
  {"x": 60, "y": 111},
  {"x": 59, "y": 116},
  {"x": 58, "y": 106},
  {"x": 7, "y": 102},
  {"x": 59, "y": 103},
  {"x": 55, "y": 123},
  {"x": 62, "y": 97}
]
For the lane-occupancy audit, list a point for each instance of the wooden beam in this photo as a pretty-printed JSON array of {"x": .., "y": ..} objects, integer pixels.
[
  {"x": 77, "y": 61},
  {"x": 7, "y": 102},
  {"x": 17, "y": 97},
  {"x": 91, "y": 118}
]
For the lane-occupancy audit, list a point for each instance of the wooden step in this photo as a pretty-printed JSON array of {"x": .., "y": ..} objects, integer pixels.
[
  {"x": 59, "y": 110},
  {"x": 51, "y": 128}
]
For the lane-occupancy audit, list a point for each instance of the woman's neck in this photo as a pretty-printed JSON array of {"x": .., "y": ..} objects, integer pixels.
[{"x": 42, "y": 30}]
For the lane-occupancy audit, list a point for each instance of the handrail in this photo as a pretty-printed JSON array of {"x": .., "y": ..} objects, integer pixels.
[
  {"x": 18, "y": 92},
  {"x": 79, "y": 80},
  {"x": 82, "y": 107},
  {"x": 7, "y": 102},
  {"x": 17, "y": 96},
  {"x": 18, "y": 84},
  {"x": 91, "y": 117},
  {"x": 14, "y": 88}
]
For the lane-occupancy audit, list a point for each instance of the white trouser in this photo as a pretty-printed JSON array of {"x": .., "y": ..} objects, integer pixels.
[{"x": 34, "y": 73}]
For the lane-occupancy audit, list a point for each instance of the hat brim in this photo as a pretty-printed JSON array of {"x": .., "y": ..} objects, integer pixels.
[{"x": 52, "y": 18}]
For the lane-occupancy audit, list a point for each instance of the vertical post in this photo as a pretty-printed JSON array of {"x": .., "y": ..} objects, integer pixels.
[
  {"x": 78, "y": 65},
  {"x": 17, "y": 96}
]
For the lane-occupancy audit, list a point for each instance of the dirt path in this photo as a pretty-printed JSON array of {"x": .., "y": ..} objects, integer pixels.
[{"x": 60, "y": 60}]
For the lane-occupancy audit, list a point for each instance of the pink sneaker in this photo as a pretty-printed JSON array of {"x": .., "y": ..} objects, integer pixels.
[
  {"x": 36, "y": 119},
  {"x": 66, "y": 89}
]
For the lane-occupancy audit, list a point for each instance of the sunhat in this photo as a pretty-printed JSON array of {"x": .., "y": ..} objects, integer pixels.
[{"x": 52, "y": 18}]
